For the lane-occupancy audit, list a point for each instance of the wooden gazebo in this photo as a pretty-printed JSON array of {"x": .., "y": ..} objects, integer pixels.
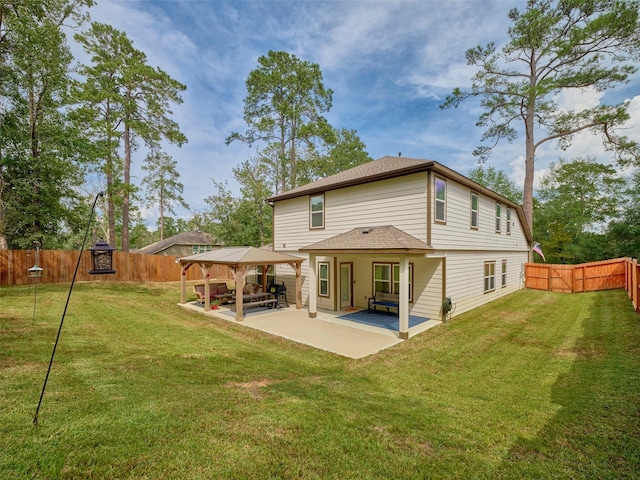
[{"x": 238, "y": 259}]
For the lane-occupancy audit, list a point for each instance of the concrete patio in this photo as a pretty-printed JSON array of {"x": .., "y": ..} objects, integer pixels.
[{"x": 326, "y": 332}]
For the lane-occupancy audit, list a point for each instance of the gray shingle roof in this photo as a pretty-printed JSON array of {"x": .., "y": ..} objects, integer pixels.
[
  {"x": 241, "y": 256},
  {"x": 385, "y": 167},
  {"x": 194, "y": 237},
  {"x": 380, "y": 239},
  {"x": 392, "y": 167}
]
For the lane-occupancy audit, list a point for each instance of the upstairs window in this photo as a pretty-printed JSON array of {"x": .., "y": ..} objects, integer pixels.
[
  {"x": 508, "y": 221},
  {"x": 441, "y": 200},
  {"x": 498, "y": 217},
  {"x": 316, "y": 211},
  {"x": 475, "y": 199}
]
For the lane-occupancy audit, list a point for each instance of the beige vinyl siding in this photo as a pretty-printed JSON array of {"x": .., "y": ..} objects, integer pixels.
[
  {"x": 400, "y": 202},
  {"x": 291, "y": 225},
  {"x": 427, "y": 288},
  {"x": 457, "y": 233},
  {"x": 427, "y": 282},
  {"x": 328, "y": 302},
  {"x": 286, "y": 274},
  {"x": 465, "y": 277}
]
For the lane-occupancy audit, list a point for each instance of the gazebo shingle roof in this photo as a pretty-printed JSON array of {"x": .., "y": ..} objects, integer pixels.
[
  {"x": 380, "y": 239},
  {"x": 241, "y": 256}
]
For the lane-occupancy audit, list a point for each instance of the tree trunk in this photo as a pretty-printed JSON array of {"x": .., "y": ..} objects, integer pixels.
[
  {"x": 111, "y": 214},
  {"x": 529, "y": 170},
  {"x": 127, "y": 181},
  {"x": 161, "y": 215}
]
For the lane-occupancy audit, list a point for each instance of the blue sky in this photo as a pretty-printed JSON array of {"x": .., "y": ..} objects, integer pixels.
[{"x": 389, "y": 63}]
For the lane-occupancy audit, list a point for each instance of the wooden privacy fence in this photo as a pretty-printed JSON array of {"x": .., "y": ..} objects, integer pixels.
[
  {"x": 58, "y": 267},
  {"x": 586, "y": 277},
  {"x": 633, "y": 282}
]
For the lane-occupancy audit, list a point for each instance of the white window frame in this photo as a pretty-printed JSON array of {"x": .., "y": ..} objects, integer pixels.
[
  {"x": 200, "y": 249},
  {"x": 489, "y": 276},
  {"x": 476, "y": 211},
  {"x": 323, "y": 279},
  {"x": 508, "y": 221},
  {"x": 393, "y": 283},
  {"x": 318, "y": 213},
  {"x": 498, "y": 218},
  {"x": 271, "y": 274},
  {"x": 440, "y": 201},
  {"x": 504, "y": 273}
]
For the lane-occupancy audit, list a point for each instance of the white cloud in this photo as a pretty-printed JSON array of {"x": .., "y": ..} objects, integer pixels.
[{"x": 578, "y": 100}]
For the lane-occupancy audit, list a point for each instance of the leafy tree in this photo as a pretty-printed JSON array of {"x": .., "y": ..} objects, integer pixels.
[
  {"x": 163, "y": 185},
  {"x": 140, "y": 97},
  {"x": 577, "y": 199},
  {"x": 225, "y": 215},
  {"x": 555, "y": 46},
  {"x": 284, "y": 110},
  {"x": 141, "y": 236},
  {"x": 101, "y": 113},
  {"x": 40, "y": 165},
  {"x": 246, "y": 220},
  {"x": 497, "y": 181},
  {"x": 348, "y": 151},
  {"x": 174, "y": 226},
  {"x": 253, "y": 208},
  {"x": 623, "y": 236}
]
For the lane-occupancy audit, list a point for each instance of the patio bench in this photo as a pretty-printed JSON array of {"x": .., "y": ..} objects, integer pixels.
[
  {"x": 271, "y": 302},
  {"x": 382, "y": 299}
]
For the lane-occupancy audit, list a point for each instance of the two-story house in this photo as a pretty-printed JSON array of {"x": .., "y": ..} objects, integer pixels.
[{"x": 404, "y": 226}]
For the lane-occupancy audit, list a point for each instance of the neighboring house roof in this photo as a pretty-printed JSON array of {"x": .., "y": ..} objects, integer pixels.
[
  {"x": 194, "y": 237},
  {"x": 393, "y": 167},
  {"x": 241, "y": 256},
  {"x": 381, "y": 239}
]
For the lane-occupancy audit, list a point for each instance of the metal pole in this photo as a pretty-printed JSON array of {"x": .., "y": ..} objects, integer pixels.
[
  {"x": 55, "y": 345},
  {"x": 35, "y": 287}
]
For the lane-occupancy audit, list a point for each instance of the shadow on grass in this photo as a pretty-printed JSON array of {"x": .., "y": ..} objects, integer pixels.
[{"x": 596, "y": 432}]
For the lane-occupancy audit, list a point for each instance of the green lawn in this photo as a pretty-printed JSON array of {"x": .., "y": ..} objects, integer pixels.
[{"x": 535, "y": 385}]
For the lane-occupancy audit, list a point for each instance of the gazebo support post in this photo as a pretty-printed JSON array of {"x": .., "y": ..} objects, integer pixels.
[
  {"x": 240, "y": 272},
  {"x": 264, "y": 277},
  {"x": 206, "y": 268},
  {"x": 183, "y": 284},
  {"x": 298, "y": 267}
]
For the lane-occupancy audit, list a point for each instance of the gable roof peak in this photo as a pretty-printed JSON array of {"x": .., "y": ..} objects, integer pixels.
[{"x": 385, "y": 167}]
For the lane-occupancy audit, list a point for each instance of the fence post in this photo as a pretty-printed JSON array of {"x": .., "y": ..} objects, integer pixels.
[{"x": 635, "y": 286}]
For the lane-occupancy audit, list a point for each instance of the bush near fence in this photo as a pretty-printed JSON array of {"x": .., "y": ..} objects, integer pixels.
[
  {"x": 586, "y": 277},
  {"x": 58, "y": 267}
]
